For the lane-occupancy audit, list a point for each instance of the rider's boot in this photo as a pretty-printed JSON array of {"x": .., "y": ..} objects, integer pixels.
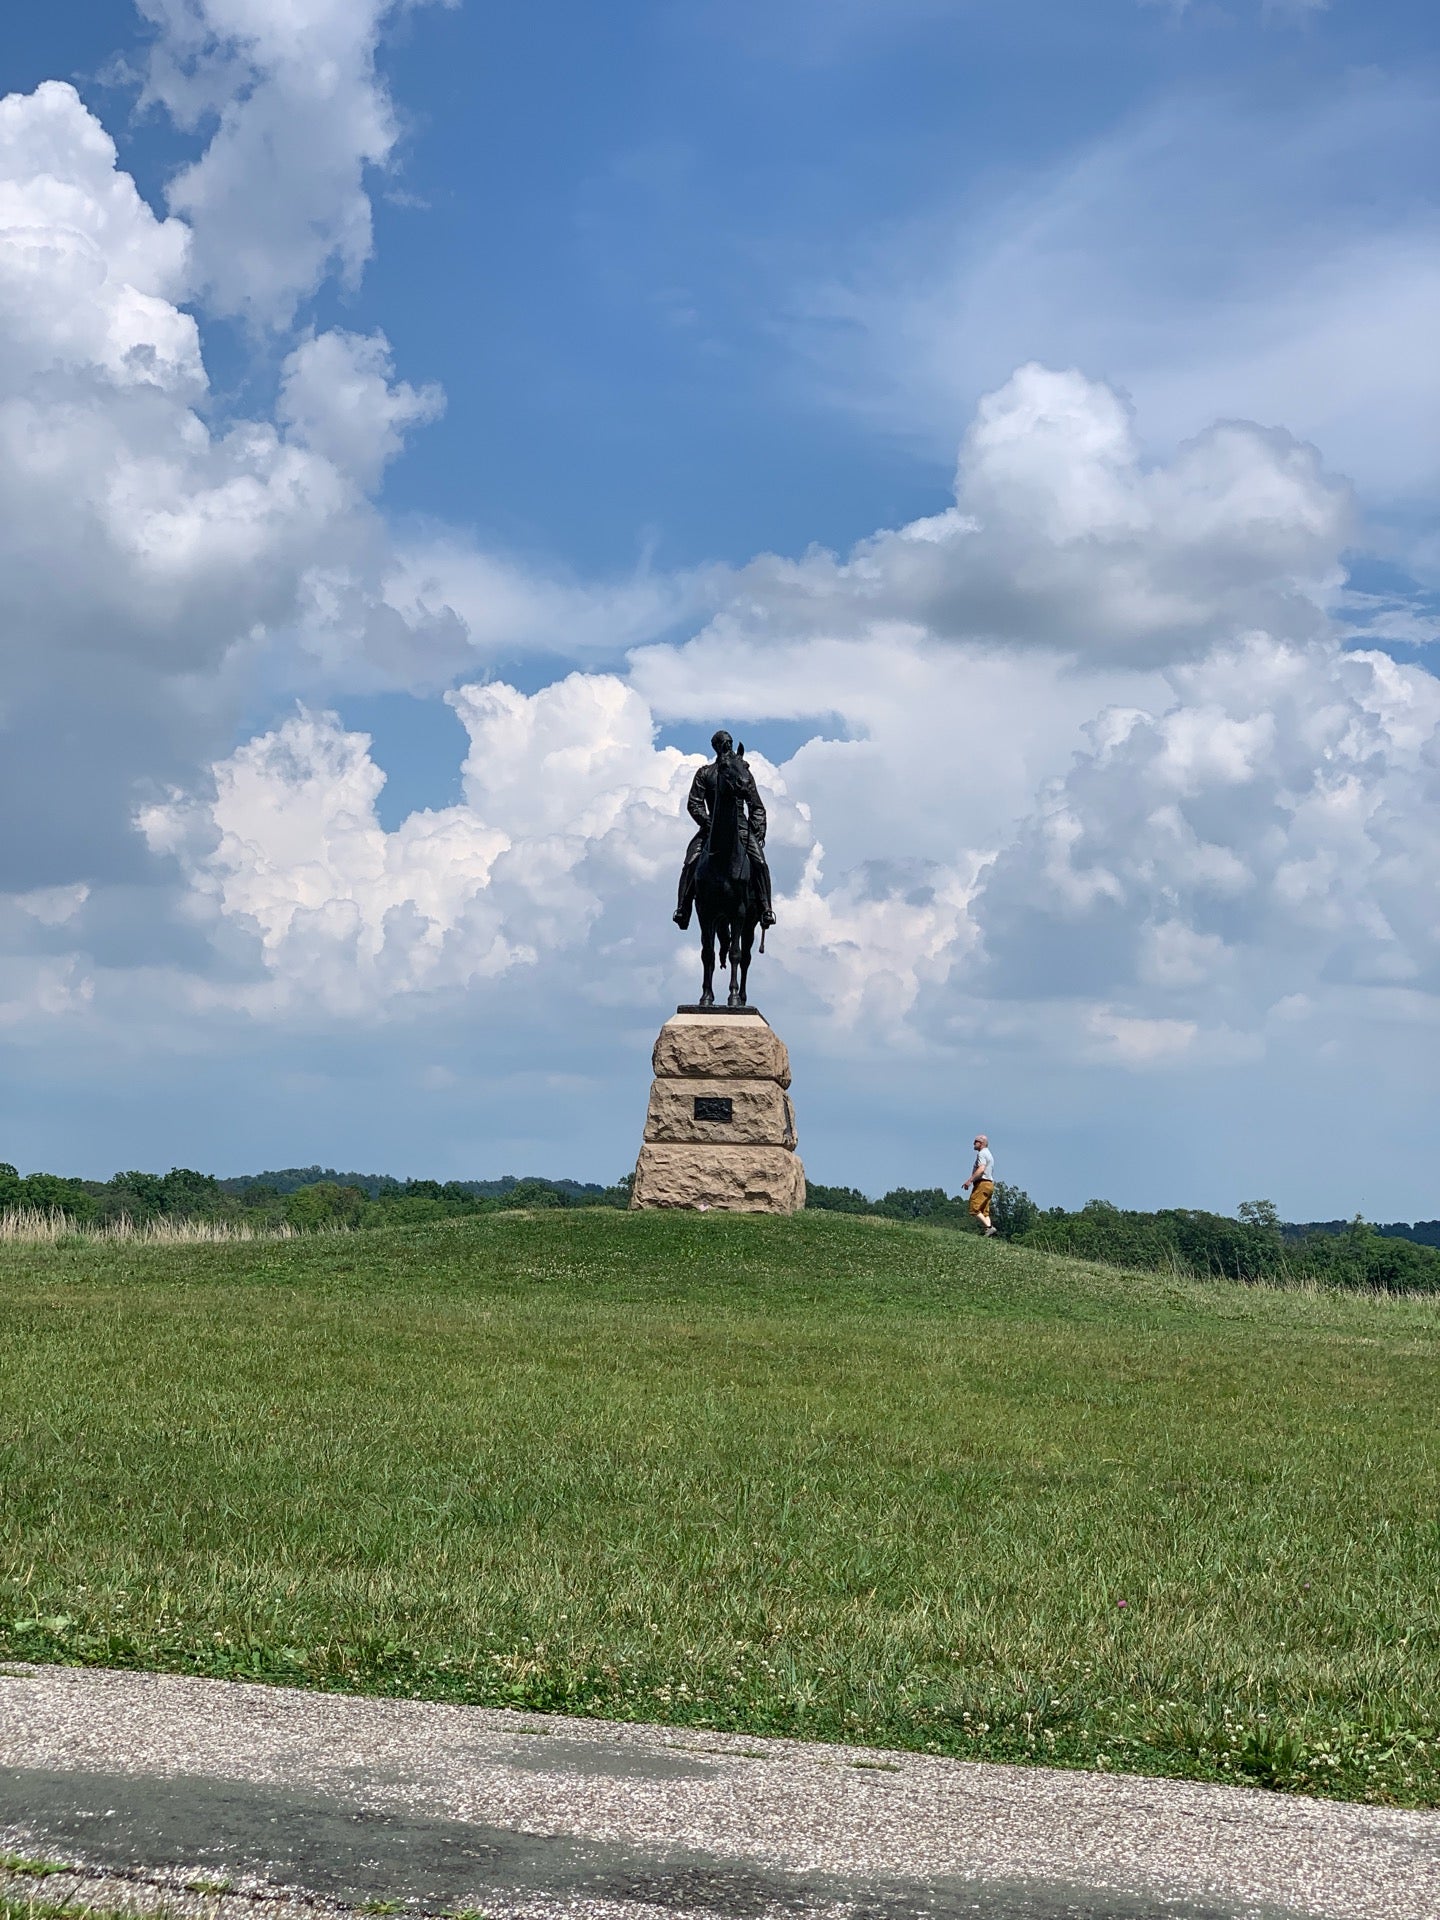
[
  {"x": 767, "y": 909},
  {"x": 686, "y": 900}
]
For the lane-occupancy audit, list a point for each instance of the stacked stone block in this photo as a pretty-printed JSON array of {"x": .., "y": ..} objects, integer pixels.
[{"x": 720, "y": 1132}]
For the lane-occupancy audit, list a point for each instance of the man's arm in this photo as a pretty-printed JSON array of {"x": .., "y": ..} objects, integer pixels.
[{"x": 698, "y": 804}]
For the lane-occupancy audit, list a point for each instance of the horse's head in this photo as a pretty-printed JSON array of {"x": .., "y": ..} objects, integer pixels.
[{"x": 730, "y": 763}]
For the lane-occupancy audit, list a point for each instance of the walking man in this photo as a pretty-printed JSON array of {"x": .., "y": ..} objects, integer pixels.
[{"x": 982, "y": 1184}]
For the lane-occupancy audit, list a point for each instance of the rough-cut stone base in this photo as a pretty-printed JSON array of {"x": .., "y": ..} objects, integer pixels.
[
  {"x": 760, "y": 1113},
  {"x": 725, "y": 1179},
  {"x": 713, "y": 1047},
  {"x": 709, "y": 1065}
]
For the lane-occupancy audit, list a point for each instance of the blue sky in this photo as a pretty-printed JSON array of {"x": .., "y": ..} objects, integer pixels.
[{"x": 618, "y": 358}]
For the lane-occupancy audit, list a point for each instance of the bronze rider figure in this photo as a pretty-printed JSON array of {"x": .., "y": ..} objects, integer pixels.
[{"x": 701, "y": 805}]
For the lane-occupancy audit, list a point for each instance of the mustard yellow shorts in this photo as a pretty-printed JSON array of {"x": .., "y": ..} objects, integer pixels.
[{"x": 980, "y": 1196}]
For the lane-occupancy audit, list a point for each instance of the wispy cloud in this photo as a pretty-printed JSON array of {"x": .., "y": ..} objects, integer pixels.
[
  {"x": 1269, "y": 9},
  {"x": 1210, "y": 257}
]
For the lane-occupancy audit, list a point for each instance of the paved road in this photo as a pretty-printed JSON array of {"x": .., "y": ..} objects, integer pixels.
[{"x": 153, "y": 1784}]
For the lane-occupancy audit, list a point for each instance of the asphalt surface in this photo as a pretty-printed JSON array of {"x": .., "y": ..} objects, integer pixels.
[{"x": 230, "y": 1801}]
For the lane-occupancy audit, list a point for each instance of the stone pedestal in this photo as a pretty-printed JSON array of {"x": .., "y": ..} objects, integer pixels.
[{"x": 720, "y": 1132}]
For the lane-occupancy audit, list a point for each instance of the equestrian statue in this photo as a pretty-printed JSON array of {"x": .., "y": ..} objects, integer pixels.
[{"x": 725, "y": 876}]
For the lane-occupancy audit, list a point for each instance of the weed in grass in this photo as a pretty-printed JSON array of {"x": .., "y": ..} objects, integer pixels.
[
  {"x": 34, "y": 1869},
  {"x": 839, "y": 1479}
]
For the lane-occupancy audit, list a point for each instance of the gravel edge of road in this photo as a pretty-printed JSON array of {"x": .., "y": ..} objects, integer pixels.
[{"x": 1203, "y": 1817}]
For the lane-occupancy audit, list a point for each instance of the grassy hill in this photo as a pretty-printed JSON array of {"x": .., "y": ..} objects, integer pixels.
[{"x": 828, "y": 1476}]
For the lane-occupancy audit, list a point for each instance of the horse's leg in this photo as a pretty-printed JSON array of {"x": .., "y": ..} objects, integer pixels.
[
  {"x": 747, "y": 946},
  {"x": 707, "y": 961},
  {"x": 737, "y": 923}
]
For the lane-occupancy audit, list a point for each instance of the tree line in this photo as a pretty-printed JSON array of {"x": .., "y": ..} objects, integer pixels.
[
  {"x": 301, "y": 1197},
  {"x": 1254, "y": 1245}
]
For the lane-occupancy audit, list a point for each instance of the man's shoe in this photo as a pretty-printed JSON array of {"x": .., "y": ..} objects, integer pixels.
[
  {"x": 682, "y": 920},
  {"x": 767, "y": 920}
]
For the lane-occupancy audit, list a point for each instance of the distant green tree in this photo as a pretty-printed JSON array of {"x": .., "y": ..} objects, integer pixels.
[
  {"x": 185, "y": 1192},
  {"x": 324, "y": 1205},
  {"x": 50, "y": 1193},
  {"x": 532, "y": 1193},
  {"x": 1012, "y": 1210},
  {"x": 135, "y": 1195},
  {"x": 913, "y": 1203},
  {"x": 837, "y": 1199},
  {"x": 257, "y": 1206},
  {"x": 406, "y": 1210}
]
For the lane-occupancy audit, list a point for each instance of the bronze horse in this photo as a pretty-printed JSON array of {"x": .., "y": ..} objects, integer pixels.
[{"x": 727, "y": 897}]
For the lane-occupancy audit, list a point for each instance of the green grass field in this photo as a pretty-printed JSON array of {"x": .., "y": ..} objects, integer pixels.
[{"x": 828, "y": 1477}]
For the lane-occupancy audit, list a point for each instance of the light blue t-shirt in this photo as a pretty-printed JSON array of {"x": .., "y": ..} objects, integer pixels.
[{"x": 984, "y": 1164}]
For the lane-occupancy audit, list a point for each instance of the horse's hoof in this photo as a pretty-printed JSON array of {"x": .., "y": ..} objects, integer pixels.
[{"x": 707, "y": 1000}]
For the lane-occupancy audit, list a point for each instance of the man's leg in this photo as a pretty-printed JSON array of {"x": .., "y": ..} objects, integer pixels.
[
  {"x": 685, "y": 899},
  {"x": 760, "y": 867}
]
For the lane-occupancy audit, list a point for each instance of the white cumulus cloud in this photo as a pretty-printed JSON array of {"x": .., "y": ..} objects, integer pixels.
[
  {"x": 564, "y": 847},
  {"x": 1064, "y": 535},
  {"x": 1144, "y": 646},
  {"x": 563, "y": 794},
  {"x": 277, "y": 200},
  {"x": 144, "y": 545},
  {"x": 1260, "y": 843},
  {"x": 339, "y": 397},
  {"x": 88, "y": 274}
]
